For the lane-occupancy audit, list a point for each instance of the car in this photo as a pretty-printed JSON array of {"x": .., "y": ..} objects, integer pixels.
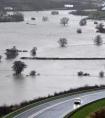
[{"x": 77, "y": 103}]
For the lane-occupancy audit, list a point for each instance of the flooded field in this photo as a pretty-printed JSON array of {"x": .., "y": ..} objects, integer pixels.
[{"x": 55, "y": 76}]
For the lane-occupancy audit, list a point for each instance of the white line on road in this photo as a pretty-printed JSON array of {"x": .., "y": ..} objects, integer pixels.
[
  {"x": 47, "y": 108},
  {"x": 41, "y": 111}
]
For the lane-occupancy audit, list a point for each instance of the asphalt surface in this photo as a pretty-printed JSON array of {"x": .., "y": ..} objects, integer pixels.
[{"x": 60, "y": 107}]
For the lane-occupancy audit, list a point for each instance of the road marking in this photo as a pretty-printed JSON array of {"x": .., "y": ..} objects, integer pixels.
[
  {"x": 41, "y": 111},
  {"x": 40, "y": 105},
  {"x": 37, "y": 113},
  {"x": 47, "y": 108}
]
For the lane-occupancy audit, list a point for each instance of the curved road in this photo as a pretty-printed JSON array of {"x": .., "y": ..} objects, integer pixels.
[{"x": 60, "y": 107}]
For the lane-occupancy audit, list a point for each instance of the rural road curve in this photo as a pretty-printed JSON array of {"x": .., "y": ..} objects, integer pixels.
[{"x": 60, "y": 107}]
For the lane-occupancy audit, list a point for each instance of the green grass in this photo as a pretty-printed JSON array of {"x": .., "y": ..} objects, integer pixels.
[{"x": 85, "y": 111}]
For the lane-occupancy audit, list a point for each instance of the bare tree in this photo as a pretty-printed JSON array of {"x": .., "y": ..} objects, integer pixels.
[
  {"x": 64, "y": 21},
  {"x": 44, "y": 18}
]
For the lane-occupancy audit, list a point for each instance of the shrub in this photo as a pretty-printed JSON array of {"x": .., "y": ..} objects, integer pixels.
[
  {"x": 33, "y": 18},
  {"x": 95, "y": 22},
  {"x": 16, "y": 17},
  {"x": 54, "y": 12},
  {"x": 83, "y": 74},
  {"x": 33, "y": 73},
  {"x": 44, "y": 18},
  {"x": 100, "y": 28},
  {"x": 79, "y": 31},
  {"x": 80, "y": 73},
  {"x": 98, "y": 40},
  {"x": 98, "y": 114},
  {"x": 62, "y": 42},
  {"x": 101, "y": 74}
]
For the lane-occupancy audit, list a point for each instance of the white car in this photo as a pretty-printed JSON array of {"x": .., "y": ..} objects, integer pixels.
[{"x": 77, "y": 103}]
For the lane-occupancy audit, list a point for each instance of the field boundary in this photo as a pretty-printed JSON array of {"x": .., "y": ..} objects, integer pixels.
[{"x": 58, "y": 58}]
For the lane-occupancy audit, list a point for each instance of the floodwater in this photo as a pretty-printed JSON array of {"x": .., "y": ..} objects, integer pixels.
[{"x": 55, "y": 76}]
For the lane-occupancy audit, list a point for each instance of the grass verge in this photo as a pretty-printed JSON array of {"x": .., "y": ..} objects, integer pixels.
[
  {"x": 86, "y": 110},
  {"x": 32, "y": 104}
]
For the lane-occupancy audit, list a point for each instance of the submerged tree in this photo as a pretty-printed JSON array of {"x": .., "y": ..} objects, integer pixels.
[
  {"x": 33, "y": 51},
  {"x": 0, "y": 58},
  {"x": 11, "y": 53},
  {"x": 101, "y": 74},
  {"x": 100, "y": 28},
  {"x": 83, "y": 22},
  {"x": 79, "y": 31},
  {"x": 18, "y": 67},
  {"x": 62, "y": 42},
  {"x": 64, "y": 21},
  {"x": 44, "y": 18},
  {"x": 33, "y": 73},
  {"x": 98, "y": 40},
  {"x": 80, "y": 73}
]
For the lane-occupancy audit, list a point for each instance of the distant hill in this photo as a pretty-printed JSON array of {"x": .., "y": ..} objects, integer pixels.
[
  {"x": 31, "y": 4},
  {"x": 46, "y": 4}
]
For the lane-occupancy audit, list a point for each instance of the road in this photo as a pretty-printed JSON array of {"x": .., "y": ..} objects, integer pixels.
[{"x": 60, "y": 107}]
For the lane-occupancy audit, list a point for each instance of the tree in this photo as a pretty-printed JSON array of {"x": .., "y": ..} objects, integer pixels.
[
  {"x": 64, "y": 21},
  {"x": 101, "y": 74},
  {"x": 83, "y": 22},
  {"x": 17, "y": 16},
  {"x": 33, "y": 73},
  {"x": 0, "y": 58},
  {"x": 98, "y": 40},
  {"x": 80, "y": 73},
  {"x": 79, "y": 31},
  {"x": 100, "y": 28},
  {"x": 33, "y": 51},
  {"x": 62, "y": 42},
  {"x": 44, "y": 18},
  {"x": 11, "y": 53},
  {"x": 18, "y": 67}
]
